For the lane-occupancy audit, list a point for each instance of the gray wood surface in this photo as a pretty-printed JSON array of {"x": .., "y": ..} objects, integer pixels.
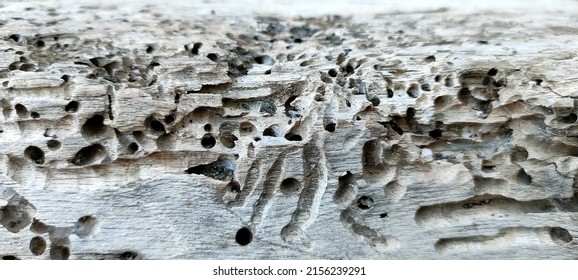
[{"x": 293, "y": 130}]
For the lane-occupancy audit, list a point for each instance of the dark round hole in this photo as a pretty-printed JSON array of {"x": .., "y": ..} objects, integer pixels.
[
  {"x": 464, "y": 95},
  {"x": 132, "y": 148},
  {"x": 15, "y": 37},
  {"x": 523, "y": 178},
  {"x": 290, "y": 186},
  {"x": 72, "y": 106},
  {"x": 93, "y": 126},
  {"x": 293, "y": 137},
  {"x": 246, "y": 128},
  {"x": 425, "y": 87},
  {"x": 234, "y": 186},
  {"x": 257, "y": 139},
  {"x": 389, "y": 93},
  {"x": 35, "y": 154},
  {"x": 410, "y": 113},
  {"x": 59, "y": 252},
  {"x": 559, "y": 234},
  {"x": 40, "y": 44},
  {"x": 35, "y": 115},
  {"x": 10, "y": 258},
  {"x": 208, "y": 127},
  {"x": 129, "y": 255},
  {"x": 273, "y": 131},
  {"x": 37, "y": 245},
  {"x": 157, "y": 126},
  {"x": 88, "y": 155},
  {"x": 208, "y": 141},
  {"x": 214, "y": 57},
  {"x": 436, "y": 133},
  {"x": 14, "y": 66},
  {"x": 244, "y": 236},
  {"x": 54, "y": 144},
  {"x": 570, "y": 118},
  {"x": 265, "y": 59},
  {"x": 196, "y": 48},
  {"x": 365, "y": 202},
  {"x": 332, "y": 73},
  {"x": 228, "y": 140},
  {"x": 66, "y": 78},
  {"x": 519, "y": 154},
  {"x": 169, "y": 119},
  {"x": 413, "y": 91},
  {"x": 330, "y": 127},
  {"x": 27, "y": 67},
  {"x": 493, "y": 72},
  {"x": 150, "y": 49},
  {"x": 21, "y": 110}
]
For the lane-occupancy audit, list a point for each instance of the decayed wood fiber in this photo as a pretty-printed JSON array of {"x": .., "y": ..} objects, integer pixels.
[{"x": 139, "y": 132}]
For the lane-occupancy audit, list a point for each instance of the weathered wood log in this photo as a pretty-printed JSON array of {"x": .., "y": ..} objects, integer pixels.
[{"x": 170, "y": 134}]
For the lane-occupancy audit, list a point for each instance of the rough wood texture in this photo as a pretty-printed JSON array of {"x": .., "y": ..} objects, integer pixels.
[{"x": 162, "y": 133}]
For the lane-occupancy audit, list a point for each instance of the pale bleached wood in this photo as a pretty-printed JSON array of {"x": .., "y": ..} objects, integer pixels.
[{"x": 429, "y": 132}]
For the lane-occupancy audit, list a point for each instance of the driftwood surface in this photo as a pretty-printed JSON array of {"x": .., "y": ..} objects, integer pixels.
[{"x": 249, "y": 131}]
